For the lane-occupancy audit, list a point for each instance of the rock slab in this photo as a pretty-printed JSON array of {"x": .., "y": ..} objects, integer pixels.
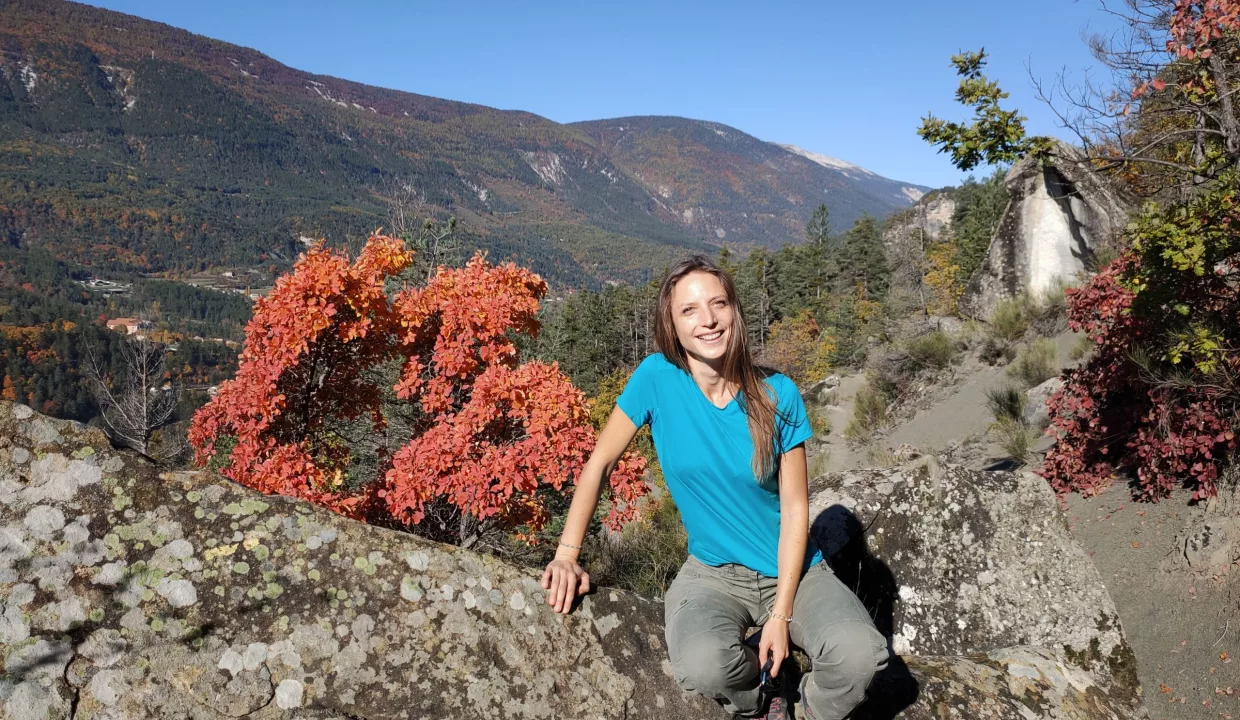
[
  {"x": 126, "y": 593},
  {"x": 954, "y": 561},
  {"x": 1059, "y": 212}
]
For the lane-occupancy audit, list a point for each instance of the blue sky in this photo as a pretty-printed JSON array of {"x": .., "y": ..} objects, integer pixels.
[{"x": 848, "y": 79}]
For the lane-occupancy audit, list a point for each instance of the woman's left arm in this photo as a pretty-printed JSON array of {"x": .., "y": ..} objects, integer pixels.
[{"x": 793, "y": 538}]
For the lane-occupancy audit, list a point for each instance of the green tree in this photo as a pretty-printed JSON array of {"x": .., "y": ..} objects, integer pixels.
[
  {"x": 979, "y": 205},
  {"x": 819, "y": 247},
  {"x": 726, "y": 262},
  {"x": 996, "y": 136},
  {"x": 863, "y": 261},
  {"x": 755, "y": 280}
]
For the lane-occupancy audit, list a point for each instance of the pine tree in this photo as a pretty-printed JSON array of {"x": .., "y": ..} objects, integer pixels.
[
  {"x": 818, "y": 250},
  {"x": 725, "y": 261},
  {"x": 754, "y": 286},
  {"x": 862, "y": 260}
]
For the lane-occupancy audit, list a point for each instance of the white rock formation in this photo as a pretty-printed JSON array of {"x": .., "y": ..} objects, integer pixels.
[{"x": 1059, "y": 212}]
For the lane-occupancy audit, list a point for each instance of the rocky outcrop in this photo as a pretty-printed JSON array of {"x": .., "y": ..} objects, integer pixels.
[
  {"x": 924, "y": 221},
  {"x": 954, "y": 561},
  {"x": 1058, "y": 213},
  {"x": 126, "y": 593},
  {"x": 905, "y": 238}
]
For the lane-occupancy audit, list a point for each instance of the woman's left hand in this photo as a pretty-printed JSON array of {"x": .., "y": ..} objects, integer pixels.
[{"x": 774, "y": 644}]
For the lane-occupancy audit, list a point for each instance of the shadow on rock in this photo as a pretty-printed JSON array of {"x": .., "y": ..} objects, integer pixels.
[{"x": 842, "y": 538}]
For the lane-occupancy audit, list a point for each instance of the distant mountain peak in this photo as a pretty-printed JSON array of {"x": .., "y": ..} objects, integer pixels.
[
  {"x": 911, "y": 192},
  {"x": 824, "y": 160}
]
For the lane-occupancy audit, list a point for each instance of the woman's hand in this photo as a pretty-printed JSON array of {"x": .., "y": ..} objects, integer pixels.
[
  {"x": 774, "y": 644},
  {"x": 564, "y": 580}
]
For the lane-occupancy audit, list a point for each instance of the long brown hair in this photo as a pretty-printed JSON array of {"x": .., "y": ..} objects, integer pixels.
[{"x": 738, "y": 365}]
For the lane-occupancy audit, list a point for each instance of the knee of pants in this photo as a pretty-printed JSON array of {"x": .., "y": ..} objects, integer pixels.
[
  {"x": 709, "y": 664},
  {"x": 853, "y": 651}
]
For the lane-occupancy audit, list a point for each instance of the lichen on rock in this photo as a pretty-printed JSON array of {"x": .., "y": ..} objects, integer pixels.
[
  {"x": 127, "y": 593},
  {"x": 958, "y": 561}
]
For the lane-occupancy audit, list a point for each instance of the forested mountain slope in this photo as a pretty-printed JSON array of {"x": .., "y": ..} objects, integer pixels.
[
  {"x": 131, "y": 145},
  {"x": 726, "y": 185}
]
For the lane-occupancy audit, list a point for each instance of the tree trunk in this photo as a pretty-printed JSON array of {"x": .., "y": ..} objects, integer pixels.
[{"x": 1230, "y": 124}]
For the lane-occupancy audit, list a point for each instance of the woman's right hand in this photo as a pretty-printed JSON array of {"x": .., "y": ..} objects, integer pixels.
[{"x": 564, "y": 580}]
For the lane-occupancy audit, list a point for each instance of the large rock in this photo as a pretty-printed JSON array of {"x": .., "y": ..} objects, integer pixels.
[
  {"x": 954, "y": 561},
  {"x": 129, "y": 594},
  {"x": 1213, "y": 545},
  {"x": 1037, "y": 414},
  {"x": 1059, "y": 212}
]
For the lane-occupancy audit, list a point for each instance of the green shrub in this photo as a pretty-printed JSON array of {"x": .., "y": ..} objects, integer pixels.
[
  {"x": 1016, "y": 438},
  {"x": 971, "y": 332},
  {"x": 1010, "y": 321},
  {"x": 1049, "y": 315},
  {"x": 1006, "y": 403},
  {"x": 1054, "y": 300},
  {"x": 1037, "y": 364},
  {"x": 869, "y": 414},
  {"x": 1082, "y": 348},
  {"x": 818, "y": 463},
  {"x": 935, "y": 350},
  {"x": 879, "y": 456},
  {"x": 224, "y": 447}
]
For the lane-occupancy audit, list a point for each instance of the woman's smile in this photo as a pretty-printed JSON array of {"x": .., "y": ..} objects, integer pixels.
[{"x": 703, "y": 316}]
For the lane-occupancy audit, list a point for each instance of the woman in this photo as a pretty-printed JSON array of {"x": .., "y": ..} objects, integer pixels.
[{"x": 729, "y": 438}]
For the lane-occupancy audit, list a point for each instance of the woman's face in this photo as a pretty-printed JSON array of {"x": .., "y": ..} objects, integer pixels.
[{"x": 702, "y": 315}]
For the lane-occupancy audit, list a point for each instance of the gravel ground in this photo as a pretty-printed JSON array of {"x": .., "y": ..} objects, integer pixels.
[{"x": 1183, "y": 626}]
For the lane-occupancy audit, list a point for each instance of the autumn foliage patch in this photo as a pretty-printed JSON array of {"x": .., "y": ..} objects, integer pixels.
[
  {"x": 487, "y": 433},
  {"x": 1159, "y": 394}
]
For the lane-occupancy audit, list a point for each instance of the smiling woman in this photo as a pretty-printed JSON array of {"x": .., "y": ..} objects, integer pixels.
[{"x": 730, "y": 438}]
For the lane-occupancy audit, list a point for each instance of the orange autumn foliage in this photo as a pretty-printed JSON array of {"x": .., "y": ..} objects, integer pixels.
[
  {"x": 306, "y": 348},
  {"x": 493, "y": 433}
]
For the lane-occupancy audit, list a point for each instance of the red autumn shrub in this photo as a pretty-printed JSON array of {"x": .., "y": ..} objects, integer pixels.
[
  {"x": 489, "y": 434},
  {"x": 1158, "y": 397},
  {"x": 306, "y": 348}
]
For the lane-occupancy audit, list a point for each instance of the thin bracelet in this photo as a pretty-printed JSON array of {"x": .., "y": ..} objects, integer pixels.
[
  {"x": 777, "y": 616},
  {"x": 567, "y": 545}
]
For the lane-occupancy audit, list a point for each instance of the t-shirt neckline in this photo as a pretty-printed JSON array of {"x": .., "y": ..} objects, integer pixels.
[{"x": 698, "y": 390}]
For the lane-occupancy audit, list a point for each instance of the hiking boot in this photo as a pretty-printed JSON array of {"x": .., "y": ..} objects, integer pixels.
[{"x": 777, "y": 710}]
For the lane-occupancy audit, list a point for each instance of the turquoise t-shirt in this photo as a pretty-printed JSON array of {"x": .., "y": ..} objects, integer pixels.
[{"x": 706, "y": 454}]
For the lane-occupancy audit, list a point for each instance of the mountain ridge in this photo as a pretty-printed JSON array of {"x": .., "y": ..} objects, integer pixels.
[{"x": 172, "y": 151}]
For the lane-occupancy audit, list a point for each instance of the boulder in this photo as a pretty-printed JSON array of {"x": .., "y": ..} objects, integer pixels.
[
  {"x": 1019, "y": 683},
  {"x": 1213, "y": 544},
  {"x": 924, "y": 221},
  {"x": 127, "y": 593},
  {"x": 1037, "y": 415},
  {"x": 954, "y": 561},
  {"x": 1059, "y": 212},
  {"x": 822, "y": 392}
]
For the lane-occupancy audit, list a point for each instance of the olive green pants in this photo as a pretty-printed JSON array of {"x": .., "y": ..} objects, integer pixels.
[{"x": 709, "y": 608}]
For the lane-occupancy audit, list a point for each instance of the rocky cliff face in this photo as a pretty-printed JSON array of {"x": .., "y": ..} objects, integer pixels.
[
  {"x": 126, "y": 593},
  {"x": 1059, "y": 213},
  {"x": 905, "y": 238}
]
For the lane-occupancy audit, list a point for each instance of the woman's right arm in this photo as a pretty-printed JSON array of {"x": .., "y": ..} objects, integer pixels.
[{"x": 564, "y": 579}]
